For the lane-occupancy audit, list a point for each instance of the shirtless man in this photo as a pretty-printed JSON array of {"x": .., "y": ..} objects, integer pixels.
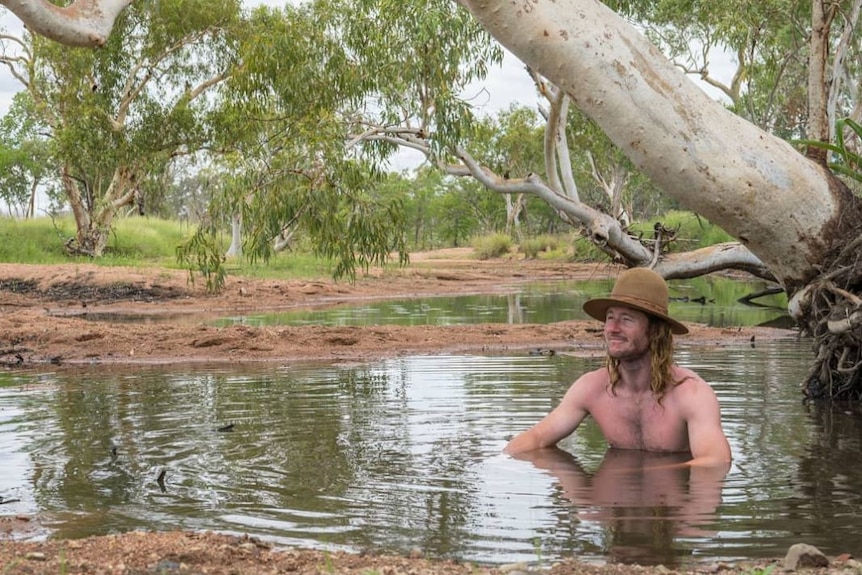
[{"x": 640, "y": 399}]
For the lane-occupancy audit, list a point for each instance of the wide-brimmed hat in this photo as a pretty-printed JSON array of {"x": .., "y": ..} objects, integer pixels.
[{"x": 641, "y": 289}]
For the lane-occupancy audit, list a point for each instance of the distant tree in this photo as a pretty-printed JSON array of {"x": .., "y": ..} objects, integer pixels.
[
  {"x": 25, "y": 158},
  {"x": 456, "y": 224},
  {"x": 118, "y": 116}
]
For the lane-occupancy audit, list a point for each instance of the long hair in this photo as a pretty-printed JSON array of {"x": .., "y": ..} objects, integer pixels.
[{"x": 661, "y": 360}]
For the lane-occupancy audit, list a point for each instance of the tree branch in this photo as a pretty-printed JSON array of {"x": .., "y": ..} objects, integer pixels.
[
  {"x": 131, "y": 90},
  {"x": 570, "y": 187},
  {"x": 729, "y": 255},
  {"x": 25, "y": 59}
]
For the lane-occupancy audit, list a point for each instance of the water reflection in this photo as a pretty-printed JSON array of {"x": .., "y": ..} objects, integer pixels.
[
  {"x": 406, "y": 453},
  {"x": 831, "y": 490},
  {"x": 644, "y": 501},
  {"x": 712, "y": 300}
]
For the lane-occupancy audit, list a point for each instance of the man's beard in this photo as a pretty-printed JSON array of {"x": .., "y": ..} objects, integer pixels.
[{"x": 634, "y": 351}]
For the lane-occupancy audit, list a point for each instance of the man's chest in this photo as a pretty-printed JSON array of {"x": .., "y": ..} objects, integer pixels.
[{"x": 629, "y": 423}]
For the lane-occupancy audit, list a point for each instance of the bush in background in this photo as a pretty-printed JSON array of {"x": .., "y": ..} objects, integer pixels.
[
  {"x": 543, "y": 244},
  {"x": 491, "y": 246}
]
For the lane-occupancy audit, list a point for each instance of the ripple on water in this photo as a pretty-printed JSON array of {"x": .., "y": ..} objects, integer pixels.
[{"x": 406, "y": 453}]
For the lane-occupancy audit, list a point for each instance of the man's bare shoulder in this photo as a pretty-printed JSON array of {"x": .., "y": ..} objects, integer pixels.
[
  {"x": 584, "y": 391},
  {"x": 685, "y": 375},
  {"x": 597, "y": 377},
  {"x": 689, "y": 385},
  {"x": 589, "y": 384}
]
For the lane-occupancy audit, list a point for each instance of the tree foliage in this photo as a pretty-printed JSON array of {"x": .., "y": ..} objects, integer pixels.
[
  {"x": 117, "y": 115},
  {"x": 25, "y": 157},
  {"x": 315, "y": 82}
]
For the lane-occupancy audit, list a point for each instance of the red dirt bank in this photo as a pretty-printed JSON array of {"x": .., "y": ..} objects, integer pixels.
[{"x": 43, "y": 313}]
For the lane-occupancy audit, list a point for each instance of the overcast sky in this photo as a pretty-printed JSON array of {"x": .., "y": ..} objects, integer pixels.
[{"x": 8, "y": 85}]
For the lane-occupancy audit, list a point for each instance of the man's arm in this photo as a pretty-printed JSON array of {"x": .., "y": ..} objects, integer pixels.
[
  {"x": 559, "y": 423},
  {"x": 706, "y": 438}
]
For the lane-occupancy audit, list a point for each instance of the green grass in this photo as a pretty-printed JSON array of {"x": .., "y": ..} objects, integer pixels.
[
  {"x": 35, "y": 241},
  {"x": 284, "y": 265},
  {"x": 147, "y": 239},
  {"x": 134, "y": 241},
  {"x": 491, "y": 246},
  {"x": 543, "y": 245},
  {"x": 141, "y": 242}
]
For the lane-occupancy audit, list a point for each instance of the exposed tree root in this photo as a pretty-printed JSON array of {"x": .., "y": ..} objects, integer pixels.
[{"x": 835, "y": 322}]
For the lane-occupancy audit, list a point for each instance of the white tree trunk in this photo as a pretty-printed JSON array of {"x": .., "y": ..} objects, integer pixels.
[
  {"x": 235, "y": 249},
  {"x": 754, "y": 185},
  {"x": 82, "y": 23}
]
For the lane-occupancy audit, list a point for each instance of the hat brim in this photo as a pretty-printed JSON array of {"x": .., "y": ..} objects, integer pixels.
[{"x": 598, "y": 309}]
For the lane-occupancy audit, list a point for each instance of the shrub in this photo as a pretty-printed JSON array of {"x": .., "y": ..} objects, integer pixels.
[
  {"x": 532, "y": 247},
  {"x": 491, "y": 246}
]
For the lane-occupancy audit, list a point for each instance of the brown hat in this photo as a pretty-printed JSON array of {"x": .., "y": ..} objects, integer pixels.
[{"x": 641, "y": 289}]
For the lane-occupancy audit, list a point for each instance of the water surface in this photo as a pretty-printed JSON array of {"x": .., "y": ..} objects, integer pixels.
[
  {"x": 406, "y": 453},
  {"x": 712, "y": 300}
]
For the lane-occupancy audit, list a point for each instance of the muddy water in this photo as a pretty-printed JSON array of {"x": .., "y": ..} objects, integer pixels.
[{"x": 405, "y": 454}]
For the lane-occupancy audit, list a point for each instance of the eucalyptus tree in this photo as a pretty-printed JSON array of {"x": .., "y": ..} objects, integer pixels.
[
  {"x": 315, "y": 80},
  {"x": 25, "y": 157},
  {"x": 785, "y": 53},
  {"x": 119, "y": 115},
  {"x": 795, "y": 220},
  {"x": 284, "y": 116}
]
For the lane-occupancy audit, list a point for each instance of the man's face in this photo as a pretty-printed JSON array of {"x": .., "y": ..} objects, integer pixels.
[{"x": 626, "y": 333}]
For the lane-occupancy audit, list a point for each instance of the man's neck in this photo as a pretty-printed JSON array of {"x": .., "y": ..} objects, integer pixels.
[{"x": 635, "y": 374}]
